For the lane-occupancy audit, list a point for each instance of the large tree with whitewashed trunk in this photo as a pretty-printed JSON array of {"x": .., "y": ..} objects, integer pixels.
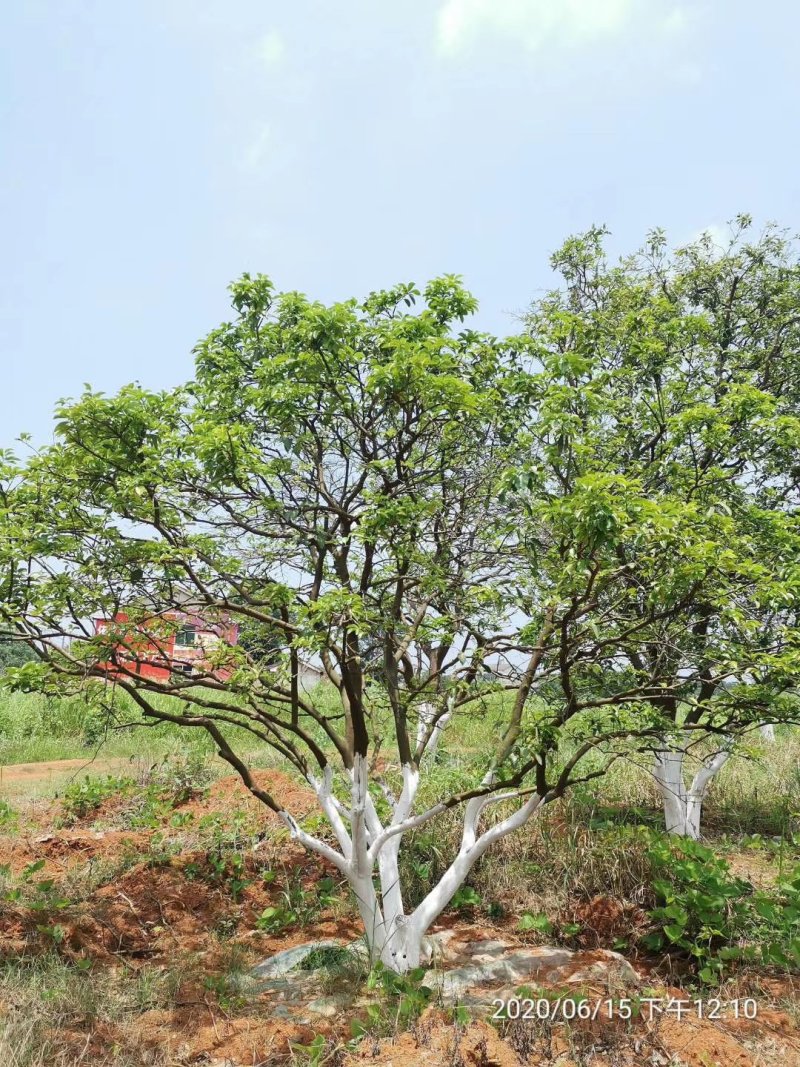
[
  {"x": 665, "y": 466},
  {"x": 330, "y": 479}
]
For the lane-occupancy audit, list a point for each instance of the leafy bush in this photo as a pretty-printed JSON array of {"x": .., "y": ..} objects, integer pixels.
[
  {"x": 404, "y": 998},
  {"x": 714, "y": 919},
  {"x": 83, "y": 798}
]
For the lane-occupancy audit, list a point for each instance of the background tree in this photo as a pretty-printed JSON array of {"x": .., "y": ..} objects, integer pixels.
[
  {"x": 13, "y": 653},
  {"x": 662, "y": 492}
]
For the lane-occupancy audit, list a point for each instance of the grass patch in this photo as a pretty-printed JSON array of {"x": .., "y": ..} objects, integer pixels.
[{"x": 60, "y": 1015}]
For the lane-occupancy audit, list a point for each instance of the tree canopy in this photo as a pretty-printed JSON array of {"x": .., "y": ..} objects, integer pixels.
[
  {"x": 586, "y": 534},
  {"x": 661, "y": 488}
]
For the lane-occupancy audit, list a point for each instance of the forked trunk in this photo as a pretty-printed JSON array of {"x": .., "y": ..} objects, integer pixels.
[
  {"x": 369, "y": 851},
  {"x": 430, "y": 725},
  {"x": 683, "y": 804}
]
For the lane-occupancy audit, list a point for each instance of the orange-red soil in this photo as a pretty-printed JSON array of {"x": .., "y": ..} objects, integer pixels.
[{"x": 137, "y": 903}]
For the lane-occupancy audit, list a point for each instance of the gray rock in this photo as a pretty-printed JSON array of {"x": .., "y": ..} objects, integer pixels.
[
  {"x": 329, "y": 1007},
  {"x": 286, "y": 962},
  {"x": 465, "y": 967},
  {"x": 468, "y": 972}
]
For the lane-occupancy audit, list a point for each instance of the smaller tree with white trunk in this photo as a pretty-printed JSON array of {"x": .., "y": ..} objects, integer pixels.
[{"x": 667, "y": 447}]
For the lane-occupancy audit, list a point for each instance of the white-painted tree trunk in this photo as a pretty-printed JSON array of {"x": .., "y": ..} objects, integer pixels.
[
  {"x": 431, "y": 726},
  {"x": 683, "y": 804},
  {"x": 767, "y": 731},
  {"x": 369, "y": 852}
]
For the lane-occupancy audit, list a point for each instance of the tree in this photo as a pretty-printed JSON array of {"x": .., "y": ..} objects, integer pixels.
[
  {"x": 544, "y": 533},
  {"x": 662, "y": 492},
  {"x": 331, "y": 475}
]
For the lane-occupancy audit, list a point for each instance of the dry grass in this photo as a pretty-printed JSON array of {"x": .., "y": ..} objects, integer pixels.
[{"x": 54, "y": 1015}]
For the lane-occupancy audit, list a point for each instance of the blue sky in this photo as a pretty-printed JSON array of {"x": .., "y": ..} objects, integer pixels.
[{"x": 152, "y": 151}]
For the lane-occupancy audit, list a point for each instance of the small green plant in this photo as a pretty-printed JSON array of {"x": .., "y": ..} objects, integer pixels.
[
  {"x": 465, "y": 898},
  {"x": 298, "y": 905},
  {"x": 149, "y": 810},
  {"x": 495, "y": 909},
  {"x": 326, "y": 891},
  {"x": 55, "y": 932},
  {"x": 43, "y": 895},
  {"x": 460, "y": 1015},
  {"x": 226, "y": 926},
  {"x": 226, "y": 869},
  {"x": 83, "y": 798},
  {"x": 315, "y": 1054},
  {"x": 404, "y": 998},
  {"x": 570, "y": 929},
  {"x": 8, "y": 817},
  {"x": 276, "y": 918},
  {"x": 539, "y": 923},
  {"x": 227, "y": 990}
]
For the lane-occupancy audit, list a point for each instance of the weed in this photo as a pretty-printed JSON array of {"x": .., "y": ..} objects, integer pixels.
[
  {"x": 226, "y": 869},
  {"x": 9, "y": 819},
  {"x": 178, "y": 779},
  {"x": 315, "y": 1054},
  {"x": 403, "y": 999},
  {"x": 50, "y": 1003},
  {"x": 227, "y": 992},
  {"x": 465, "y": 899},
  {"x": 276, "y": 919},
  {"x": 714, "y": 919},
  {"x": 540, "y": 923},
  {"x": 234, "y": 984},
  {"x": 79, "y": 881},
  {"x": 84, "y": 798},
  {"x": 226, "y": 926},
  {"x": 40, "y": 896},
  {"x": 330, "y": 959}
]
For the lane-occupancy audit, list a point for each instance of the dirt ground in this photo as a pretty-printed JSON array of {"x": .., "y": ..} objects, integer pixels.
[
  {"x": 157, "y": 901},
  {"x": 33, "y": 778}
]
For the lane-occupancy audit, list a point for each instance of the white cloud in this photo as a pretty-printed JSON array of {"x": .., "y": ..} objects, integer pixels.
[
  {"x": 271, "y": 48},
  {"x": 535, "y": 23}
]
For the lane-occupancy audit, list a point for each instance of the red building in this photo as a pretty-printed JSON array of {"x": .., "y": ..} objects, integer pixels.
[{"x": 175, "y": 642}]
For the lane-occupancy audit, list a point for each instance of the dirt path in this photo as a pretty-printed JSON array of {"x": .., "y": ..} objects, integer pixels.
[{"x": 33, "y": 777}]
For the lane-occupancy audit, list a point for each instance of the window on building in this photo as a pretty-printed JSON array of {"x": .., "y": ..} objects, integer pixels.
[{"x": 187, "y": 637}]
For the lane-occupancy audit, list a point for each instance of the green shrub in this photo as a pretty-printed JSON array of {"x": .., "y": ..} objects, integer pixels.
[
  {"x": 403, "y": 1000},
  {"x": 714, "y": 919},
  {"x": 83, "y": 798}
]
